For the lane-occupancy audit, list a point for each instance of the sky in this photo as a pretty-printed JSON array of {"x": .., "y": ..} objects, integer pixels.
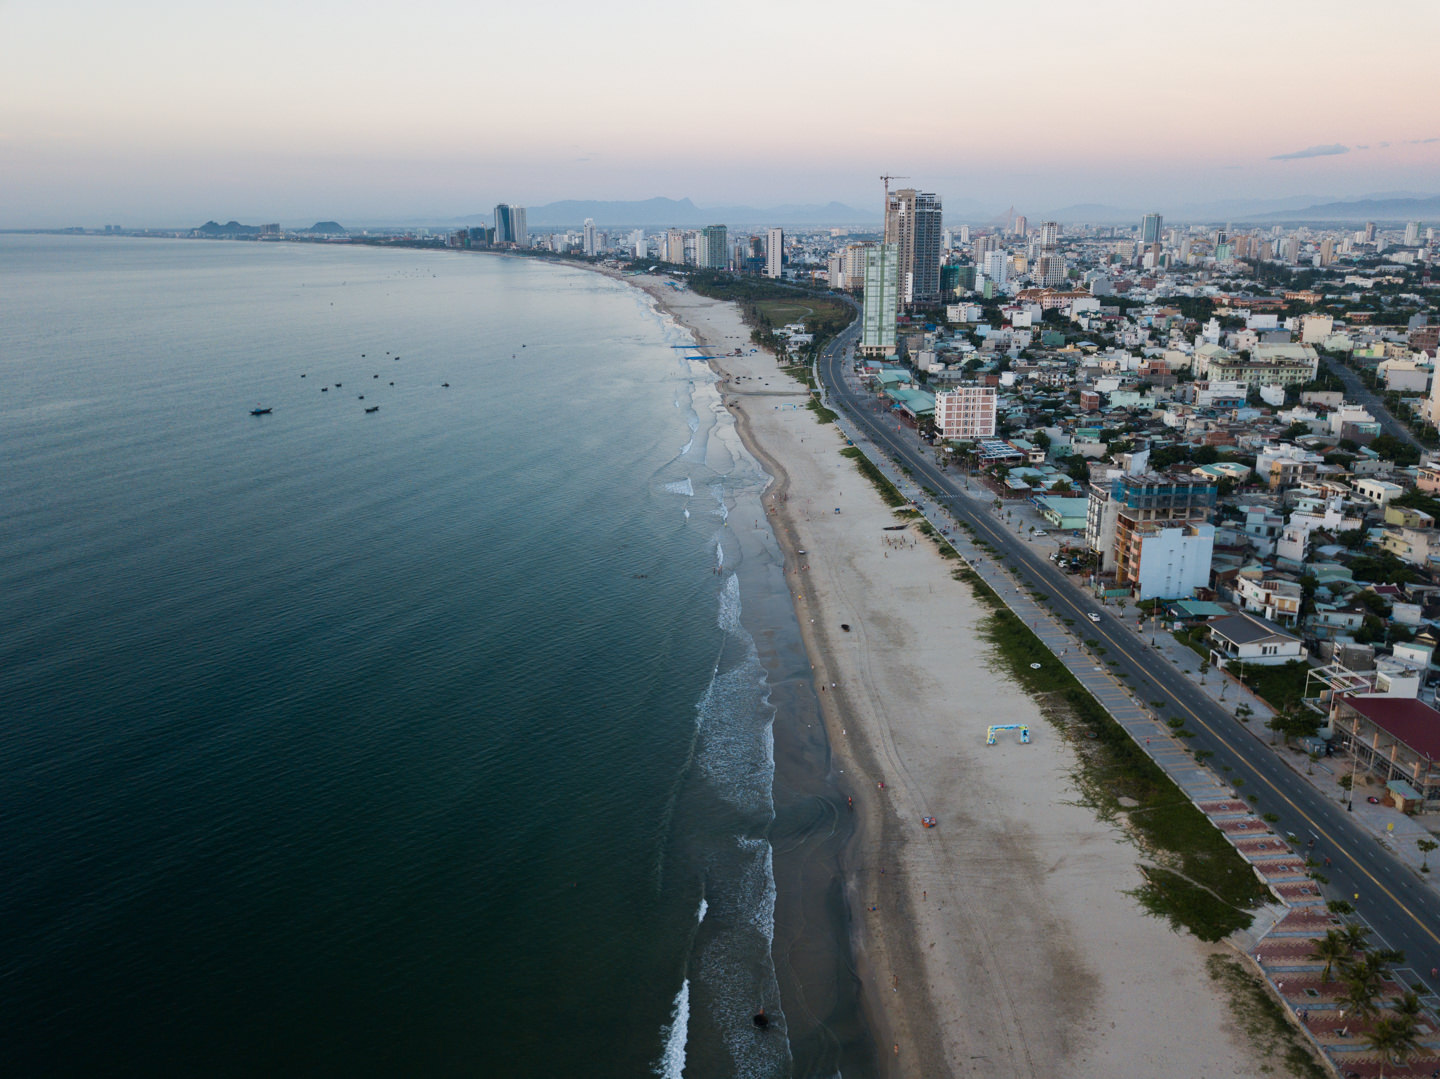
[{"x": 163, "y": 113}]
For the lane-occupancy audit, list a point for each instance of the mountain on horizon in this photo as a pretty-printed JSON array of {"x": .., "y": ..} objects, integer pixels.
[{"x": 1366, "y": 209}]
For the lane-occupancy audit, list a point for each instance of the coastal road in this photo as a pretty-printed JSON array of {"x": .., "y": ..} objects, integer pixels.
[
  {"x": 1401, "y": 910},
  {"x": 1356, "y": 391}
]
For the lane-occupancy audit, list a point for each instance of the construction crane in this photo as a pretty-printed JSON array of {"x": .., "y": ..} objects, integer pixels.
[{"x": 887, "y": 180}]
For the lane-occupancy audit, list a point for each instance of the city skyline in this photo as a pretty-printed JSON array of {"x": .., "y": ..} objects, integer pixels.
[{"x": 165, "y": 114}]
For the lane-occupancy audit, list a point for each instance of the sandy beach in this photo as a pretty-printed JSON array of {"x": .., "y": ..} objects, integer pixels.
[{"x": 1001, "y": 942}]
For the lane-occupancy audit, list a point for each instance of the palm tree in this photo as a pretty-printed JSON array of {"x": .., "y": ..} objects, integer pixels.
[
  {"x": 1394, "y": 1036},
  {"x": 1363, "y": 977},
  {"x": 1408, "y": 1005},
  {"x": 1355, "y": 937},
  {"x": 1330, "y": 949}
]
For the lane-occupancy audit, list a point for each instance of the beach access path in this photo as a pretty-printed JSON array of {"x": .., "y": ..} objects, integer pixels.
[{"x": 1002, "y": 941}]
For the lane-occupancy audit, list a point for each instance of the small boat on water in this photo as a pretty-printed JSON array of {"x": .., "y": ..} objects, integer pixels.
[
  {"x": 261, "y": 411},
  {"x": 373, "y": 408}
]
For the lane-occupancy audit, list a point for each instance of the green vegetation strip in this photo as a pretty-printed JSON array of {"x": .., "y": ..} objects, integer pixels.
[
  {"x": 822, "y": 414},
  {"x": 1263, "y": 1020},
  {"x": 1200, "y": 881},
  {"x": 888, "y": 491}
]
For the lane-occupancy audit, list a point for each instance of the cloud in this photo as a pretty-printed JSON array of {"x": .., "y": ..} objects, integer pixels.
[
  {"x": 1365, "y": 147},
  {"x": 1313, "y": 151}
]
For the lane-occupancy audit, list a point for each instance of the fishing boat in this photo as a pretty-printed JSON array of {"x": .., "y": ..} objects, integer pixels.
[
  {"x": 261, "y": 411},
  {"x": 373, "y": 408}
]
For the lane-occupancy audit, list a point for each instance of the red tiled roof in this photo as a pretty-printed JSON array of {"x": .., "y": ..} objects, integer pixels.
[{"x": 1403, "y": 718}]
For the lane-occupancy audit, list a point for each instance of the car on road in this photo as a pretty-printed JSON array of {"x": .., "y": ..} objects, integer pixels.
[
  {"x": 1093, "y": 616},
  {"x": 1373, "y": 800},
  {"x": 1041, "y": 532}
]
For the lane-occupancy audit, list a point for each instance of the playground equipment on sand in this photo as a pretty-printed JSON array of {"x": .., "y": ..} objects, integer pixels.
[{"x": 1022, "y": 728}]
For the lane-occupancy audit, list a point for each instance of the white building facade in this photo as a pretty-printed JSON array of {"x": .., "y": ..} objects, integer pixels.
[{"x": 966, "y": 412}]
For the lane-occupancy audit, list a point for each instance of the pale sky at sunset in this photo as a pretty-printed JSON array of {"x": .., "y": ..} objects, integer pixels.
[{"x": 158, "y": 112}]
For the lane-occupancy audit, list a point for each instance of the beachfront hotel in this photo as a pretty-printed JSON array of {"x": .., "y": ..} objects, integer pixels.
[{"x": 968, "y": 411}]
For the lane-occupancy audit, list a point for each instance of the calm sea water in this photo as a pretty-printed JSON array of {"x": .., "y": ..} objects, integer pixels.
[{"x": 427, "y": 741}]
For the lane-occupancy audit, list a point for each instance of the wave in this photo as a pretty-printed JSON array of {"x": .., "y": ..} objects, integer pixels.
[
  {"x": 729, "y": 615},
  {"x": 674, "y": 1034},
  {"x": 686, "y": 448},
  {"x": 717, "y": 490},
  {"x": 680, "y": 487}
]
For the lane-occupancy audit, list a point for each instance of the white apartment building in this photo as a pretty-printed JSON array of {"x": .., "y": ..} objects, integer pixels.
[
  {"x": 966, "y": 412},
  {"x": 775, "y": 254}
]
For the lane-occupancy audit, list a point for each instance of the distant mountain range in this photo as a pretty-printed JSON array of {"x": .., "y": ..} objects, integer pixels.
[
  {"x": 1358, "y": 211},
  {"x": 1383, "y": 206},
  {"x": 234, "y": 228},
  {"x": 682, "y": 213}
]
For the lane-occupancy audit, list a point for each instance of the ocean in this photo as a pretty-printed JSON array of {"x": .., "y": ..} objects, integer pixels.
[{"x": 433, "y": 740}]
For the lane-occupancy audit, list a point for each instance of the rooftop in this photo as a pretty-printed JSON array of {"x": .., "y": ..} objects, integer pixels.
[{"x": 1403, "y": 718}]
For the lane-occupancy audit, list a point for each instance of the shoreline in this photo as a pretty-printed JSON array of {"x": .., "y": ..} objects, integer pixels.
[{"x": 1031, "y": 959}]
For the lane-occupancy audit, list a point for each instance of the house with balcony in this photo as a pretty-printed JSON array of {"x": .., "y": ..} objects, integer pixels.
[{"x": 1274, "y": 599}]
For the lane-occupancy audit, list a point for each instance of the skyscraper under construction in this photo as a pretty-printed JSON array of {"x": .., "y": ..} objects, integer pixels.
[{"x": 912, "y": 224}]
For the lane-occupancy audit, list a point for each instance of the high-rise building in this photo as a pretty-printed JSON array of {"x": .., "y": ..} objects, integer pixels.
[
  {"x": 591, "y": 245},
  {"x": 1049, "y": 233},
  {"x": 997, "y": 266},
  {"x": 913, "y": 225},
  {"x": 878, "y": 307},
  {"x": 510, "y": 225},
  {"x": 712, "y": 251},
  {"x": 1369, "y": 232},
  {"x": 1150, "y": 228},
  {"x": 1021, "y": 226},
  {"x": 1327, "y": 251},
  {"x": 1412, "y": 234},
  {"x": 637, "y": 242},
  {"x": 674, "y": 249},
  {"x": 968, "y": 411},
  {"x": 855, "y": 264},
  {"x": 1050, "y": 270},
  {"x": 775, "y": 253}
]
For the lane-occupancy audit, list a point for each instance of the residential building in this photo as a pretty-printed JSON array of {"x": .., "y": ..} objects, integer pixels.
[
  {"x": 1379, "y": 492},
  {"x": 1284, "y": 466},
  {"x": 1243, "y": 638},
  {"x": 1151, "y": 226},
  {"x": 966, "y": 412},
  {"x": 1050, "y": 270},
  {"x": 1273, "y": 599},
  {"x": 591, "y": 247},
  {"x": 1163, "y": 561},
  {"x": 913, "y": 224},
  {"x": 673, "y": 247},
  {"x": 878, "y": 306},
  {"x": 1414, "y": 545},
  {"x": 1049, "y": 233},
  {"x": 775, "y": 253},
  {"x": 1144, "y": 502},
  {"x": 713, "y": 249}
]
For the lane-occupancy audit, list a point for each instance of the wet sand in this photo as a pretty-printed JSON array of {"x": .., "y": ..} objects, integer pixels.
[{"x": 1002, "y": 942}]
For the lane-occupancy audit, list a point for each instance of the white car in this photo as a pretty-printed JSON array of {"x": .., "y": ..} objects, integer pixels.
[
  {"x": 1093, "y": 616},
  {"x": 1041, "y": 532}
]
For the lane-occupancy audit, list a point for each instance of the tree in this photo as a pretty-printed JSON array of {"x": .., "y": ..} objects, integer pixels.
[
  {"x": 1394, "y": 1036},
  {"x": 1296, "y": 430},
  {"x": 1330, "y": 949},
  {"x": 1426, "y": 846},
  {"x": 1205, "y": 455}
]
